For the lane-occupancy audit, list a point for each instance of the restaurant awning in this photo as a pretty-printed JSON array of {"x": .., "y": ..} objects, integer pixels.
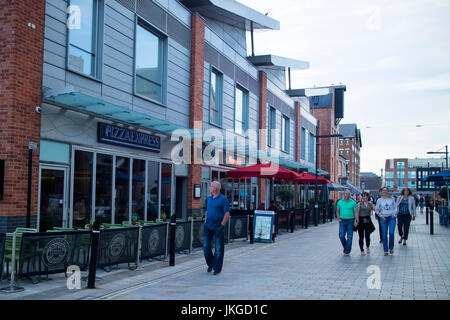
[{"x": 307, "y": 178}]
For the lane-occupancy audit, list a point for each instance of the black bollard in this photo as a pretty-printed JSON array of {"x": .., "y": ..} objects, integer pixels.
[
  {"x": 94, "y": 251},
  {"x": 426, "y": 214},
  {"x": 173, "y": 225},
  {"x": 316, "y": 214},
  {"x": 431, "y": 221},
  {"x": 306, "y": 217},
  {"x": 292, "y": 218},
  {"x": 250, "y": 222}
]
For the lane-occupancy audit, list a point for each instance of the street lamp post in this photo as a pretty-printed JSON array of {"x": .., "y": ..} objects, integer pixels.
[
  {"x": 316, "y": 198},
  {"x": 442, "y": 152}
]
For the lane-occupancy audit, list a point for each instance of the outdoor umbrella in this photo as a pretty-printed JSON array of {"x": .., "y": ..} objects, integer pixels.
[
  {"x": 262, "y": 171},
  {"x": 307, "y": 178},
  {"x": 440, "y": 178}
]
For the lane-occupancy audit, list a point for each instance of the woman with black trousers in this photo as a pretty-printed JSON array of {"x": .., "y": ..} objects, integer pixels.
[
  {"x": 406, "y": 211},
  {"x": 365, "y": 208}
]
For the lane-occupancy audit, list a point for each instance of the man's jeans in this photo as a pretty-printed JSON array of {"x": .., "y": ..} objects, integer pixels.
[
  {"x": 215, "y": 261},
  {"x": 385, "y": 225},
  {"x": 346, "y": 226}
]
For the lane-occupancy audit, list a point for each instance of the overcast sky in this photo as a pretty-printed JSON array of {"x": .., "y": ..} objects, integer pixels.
[{"x": 393, "y": 56}]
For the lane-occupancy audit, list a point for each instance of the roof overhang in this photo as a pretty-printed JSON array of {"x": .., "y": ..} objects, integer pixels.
[
  {"x": 233, "y": 13},
  {"x": 277, "y": 62}
]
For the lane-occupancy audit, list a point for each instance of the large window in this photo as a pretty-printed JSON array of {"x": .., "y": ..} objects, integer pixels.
[
  {"x": 83, "y": 37},
  {"x": 138, "y": 190},
  {"x": 411, "y": 174},
  {"x": 311, "y": 147},
  {"x": 390, "y": 184},
  {"x": 389, "y": 175},
  {"x": 82, "y": 188},
  {"x": 122, "y": 190},
  {"x": 149, "y": 63},
  {"x": 285, "y": 136},
  {"x": 166, "y": 185},
  {"x": 272, "y": 126},
  {"x": 303, "y": 144},
  {"x": 103, "y": 188},
  {"x": 411, "y": 184},
  {"x": 215, "y": 97},
  {"x": 152, "y": 191},
  {"x": 401, "y": 174},
  {"x": 241, "y": 110},
  {"x": 400, "y": 165}
]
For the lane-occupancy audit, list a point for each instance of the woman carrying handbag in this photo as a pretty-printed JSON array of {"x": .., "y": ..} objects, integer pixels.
[
  {"x": 406, "y": 211},
  {"x": 365, "y": 226}
]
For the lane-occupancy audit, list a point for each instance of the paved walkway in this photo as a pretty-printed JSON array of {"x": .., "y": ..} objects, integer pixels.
[{"x": 306, "y": 264}]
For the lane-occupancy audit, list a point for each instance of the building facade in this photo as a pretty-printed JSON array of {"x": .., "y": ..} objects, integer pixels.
[
  {"x": 402, "y": 172},
  {"x": 100, "y": 87},
  {"x": 349, "y": 146}
]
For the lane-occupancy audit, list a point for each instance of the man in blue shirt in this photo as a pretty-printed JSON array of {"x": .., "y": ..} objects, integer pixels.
[{"x": 217, "y": 214}]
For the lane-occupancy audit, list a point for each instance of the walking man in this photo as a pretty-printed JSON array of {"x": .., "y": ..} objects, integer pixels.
[
  {"x": 217, "y": 214},
  {"x": 347, "y": 215}
]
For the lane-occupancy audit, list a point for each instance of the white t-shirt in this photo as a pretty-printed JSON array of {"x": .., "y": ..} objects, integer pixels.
[{"x": 388, "y": 207}]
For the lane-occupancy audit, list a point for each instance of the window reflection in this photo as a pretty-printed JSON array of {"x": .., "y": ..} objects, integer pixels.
[
  {"x": 166, "y": 184},
  {"x": 103, "y": 188},
  {"x": 138, "y": 204},
  {"x": 122, "y": 189},
  {"x": 152, "y": 190},
  {"x": 82, "y": 188}
]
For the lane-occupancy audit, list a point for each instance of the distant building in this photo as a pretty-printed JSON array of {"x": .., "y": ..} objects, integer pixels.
[
  {"x": 370, "y": 182},
  {"x": 403, "y": 172},
  {"x": 349, "y": 147}
]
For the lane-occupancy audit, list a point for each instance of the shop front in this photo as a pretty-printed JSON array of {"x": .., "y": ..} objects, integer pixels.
[{"x": 92, "y": 168}]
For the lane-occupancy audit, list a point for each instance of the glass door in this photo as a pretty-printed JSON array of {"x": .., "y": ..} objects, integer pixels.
[{"x": 52, "y": 198}]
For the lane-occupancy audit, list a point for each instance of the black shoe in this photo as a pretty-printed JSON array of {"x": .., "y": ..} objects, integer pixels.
[
  {"x": 216, "y": 273},
  {"x": 209, "y": 269}
]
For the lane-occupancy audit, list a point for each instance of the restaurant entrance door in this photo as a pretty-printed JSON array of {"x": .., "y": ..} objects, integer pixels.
[{"x": 52, "y": 197}]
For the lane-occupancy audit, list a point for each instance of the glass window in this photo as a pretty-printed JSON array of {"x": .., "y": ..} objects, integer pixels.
[
  {"x": 347, "y": 141},
  {"x": 272, "y": 126},
  {"x": 149, "y": 61},
  {"x": 401, "y": 174},
  {"x": 347, "y": 151},
  {"x": 311, "y": 147},
  {"x": 166, "y": 185},
  {"x": 103, "y": 188},
  {"x": 285, "y": 134},
  {"x": 152, "y": 191},
  {"x": 411, "y": 184},
  {"x": 303, "y": 144},
  {"x": 122, "y": 190},
  {"x": 389, "y": 174},
  {"x": 341, "y": 141},
  {"x": 400, "y": 165},
  {"x": 390, "y": 184},
  {"x": 411, "y": 174},
  {"x": 82, "y": 40},
  {"x": 215, "y": 97},
  {"x": 241, "y": 111},
  {"x": 82, "y": 188},
  {"x": 138, "y": 190}
]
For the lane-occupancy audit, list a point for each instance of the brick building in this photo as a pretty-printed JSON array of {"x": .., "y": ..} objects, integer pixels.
[{"x": 349, "y": 146}]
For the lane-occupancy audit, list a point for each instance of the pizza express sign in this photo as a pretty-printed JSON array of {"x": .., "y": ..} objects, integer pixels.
[{"x": 108, "y": 133}]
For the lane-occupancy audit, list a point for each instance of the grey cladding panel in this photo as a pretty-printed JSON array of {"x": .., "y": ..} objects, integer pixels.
[
  {"x": 152, "y": 13},
  {"x": 178, "y": 32},
  {"x": 129, "y": 4},
  {"x": 253, "y": 86},
  {"x": 211, "y": 55},
  {"x": 241, "y": 77},
  {"x": 226, "y": 66}
]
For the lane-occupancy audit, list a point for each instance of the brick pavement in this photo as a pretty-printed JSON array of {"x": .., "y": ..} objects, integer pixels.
[{"x": 307, "y": 264}]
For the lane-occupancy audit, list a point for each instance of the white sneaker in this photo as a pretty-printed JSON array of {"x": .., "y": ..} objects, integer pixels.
[
  {"x": 363, "y": 253},
  {"x": 368, "y": 250}
]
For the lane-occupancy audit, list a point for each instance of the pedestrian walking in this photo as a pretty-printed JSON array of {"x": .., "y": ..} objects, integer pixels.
[
  {"x": 217, "y": 214},
  {"x": 365, "y": 226},
  {"x": 386, "y": 209},
  {"x": 421, "y": 203},
  {"x": 406, "y": 212},
  {"x": 378, "y": 218},
  {"x": 347, "y": 215}
]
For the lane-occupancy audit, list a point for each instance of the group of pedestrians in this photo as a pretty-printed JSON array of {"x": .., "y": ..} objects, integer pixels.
[{"x": 353, "y": 216}]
